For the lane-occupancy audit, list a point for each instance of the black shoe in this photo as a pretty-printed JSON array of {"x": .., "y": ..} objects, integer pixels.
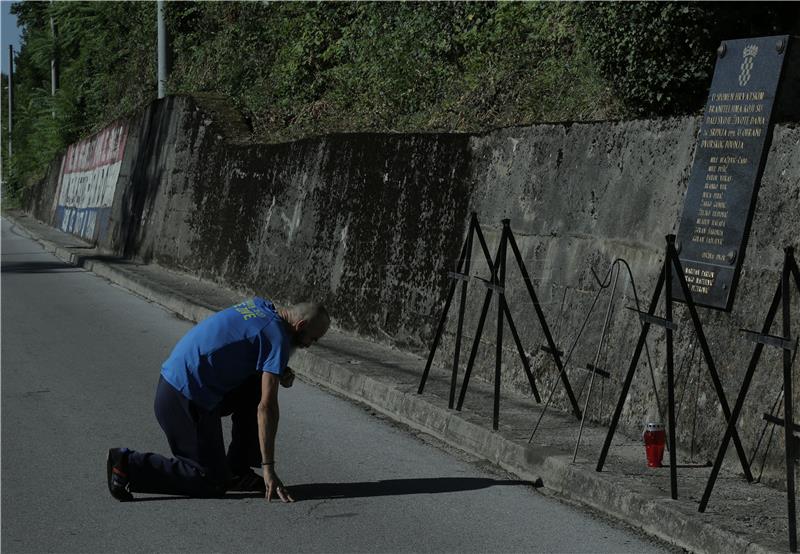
[
  {"x": 117, "y": 474},
  {"x": 247, "y": 481}
]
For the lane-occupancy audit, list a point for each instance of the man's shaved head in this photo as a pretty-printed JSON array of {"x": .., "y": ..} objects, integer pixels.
[
  {"x": 308, "y": 320},
  {"x": 315, "y": 315}
]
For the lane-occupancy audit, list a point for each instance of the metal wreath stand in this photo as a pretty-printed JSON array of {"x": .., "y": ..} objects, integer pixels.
[{"x": 496, "y": 283}]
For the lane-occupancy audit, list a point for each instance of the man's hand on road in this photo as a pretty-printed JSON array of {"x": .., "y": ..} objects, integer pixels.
[{"x": 275, "y": 486}]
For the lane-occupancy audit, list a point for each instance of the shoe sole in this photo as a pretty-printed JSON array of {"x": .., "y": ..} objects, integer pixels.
[{"x": 109, "y": 473}]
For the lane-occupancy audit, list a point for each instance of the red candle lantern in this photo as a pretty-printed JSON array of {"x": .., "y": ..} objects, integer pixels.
[{"x": 654, "y": 440}]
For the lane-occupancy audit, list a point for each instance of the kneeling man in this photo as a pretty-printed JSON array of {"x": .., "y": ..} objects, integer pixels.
[{"x": 232, "y": 363}]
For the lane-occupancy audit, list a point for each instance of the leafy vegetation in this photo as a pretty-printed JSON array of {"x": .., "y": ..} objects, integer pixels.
[
  {"x": 660, "y": 55},
  {"x": 104, "y": 52},
  {"x": 300, "y": 68}
]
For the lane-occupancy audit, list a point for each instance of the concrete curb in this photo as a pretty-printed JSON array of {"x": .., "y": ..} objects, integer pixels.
[{"x": 655, "y": 516}]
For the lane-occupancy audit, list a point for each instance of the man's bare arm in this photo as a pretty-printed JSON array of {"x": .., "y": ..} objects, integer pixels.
[{"x": 268, "y": 416}]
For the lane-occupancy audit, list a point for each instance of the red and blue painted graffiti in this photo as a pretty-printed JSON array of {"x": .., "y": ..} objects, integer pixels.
[{"x": 88, "y": 180}]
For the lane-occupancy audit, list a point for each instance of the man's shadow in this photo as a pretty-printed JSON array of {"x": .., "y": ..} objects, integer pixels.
[
  {"x": 395, "y": 487},
  {"x": 386, "y": 487}
]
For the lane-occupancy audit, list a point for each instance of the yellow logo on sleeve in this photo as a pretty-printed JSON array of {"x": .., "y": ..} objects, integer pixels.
[{"x": 249, "y": 310}]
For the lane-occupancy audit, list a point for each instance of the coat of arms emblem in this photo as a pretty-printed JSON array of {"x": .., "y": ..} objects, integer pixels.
[{"x": 749, "y": 53}]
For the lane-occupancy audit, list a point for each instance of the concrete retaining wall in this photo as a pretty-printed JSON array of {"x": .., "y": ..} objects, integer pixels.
[{"x": 371, "y": 223}]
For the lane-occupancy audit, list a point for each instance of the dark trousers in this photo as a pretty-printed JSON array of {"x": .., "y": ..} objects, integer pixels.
[{"x": 201, "y": 466}]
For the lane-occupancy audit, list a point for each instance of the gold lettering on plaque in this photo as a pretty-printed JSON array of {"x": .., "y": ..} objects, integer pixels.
[
  {"x": 732, "y": 119},
  {"x": 700, "y": 280}
]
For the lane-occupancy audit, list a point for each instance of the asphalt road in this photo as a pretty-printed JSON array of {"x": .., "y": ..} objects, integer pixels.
[{"x": 80, "y": 361}]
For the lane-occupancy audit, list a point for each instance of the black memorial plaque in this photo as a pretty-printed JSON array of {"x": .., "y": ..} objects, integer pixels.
[{"x": 728, "y": 163}]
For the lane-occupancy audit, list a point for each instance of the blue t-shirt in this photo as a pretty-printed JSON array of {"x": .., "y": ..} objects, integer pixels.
[{"x": 222, "y": 351}]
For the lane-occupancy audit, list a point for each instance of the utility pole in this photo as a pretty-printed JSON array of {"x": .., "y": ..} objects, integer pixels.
[
  {"x": 10, "y": 94},
  {"x": 54, "y": 59},
  {"x": 163, "y": 50}
]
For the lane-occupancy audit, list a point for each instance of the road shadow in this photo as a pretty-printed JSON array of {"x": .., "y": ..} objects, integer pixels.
[
  {"x": 37, "y": 267},
  {"x": 365, "y": 489},
  {"x": 397, "y": 487},
  {"x": 59, "y": 267}
]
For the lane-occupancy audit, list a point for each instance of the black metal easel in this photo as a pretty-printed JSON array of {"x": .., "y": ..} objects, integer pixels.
[
  {"x": 671, "y": 261},
  {"x": 456, "y": 276},
  {"x": 792, "y": 429},
  {"x": 497, "y": 284}
]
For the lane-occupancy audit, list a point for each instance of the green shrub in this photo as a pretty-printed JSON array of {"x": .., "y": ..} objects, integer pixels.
[
  {"x": 104, "y": 51},
  {"x": 302, "y": 68},
  {"x": 660, "y": 55}
]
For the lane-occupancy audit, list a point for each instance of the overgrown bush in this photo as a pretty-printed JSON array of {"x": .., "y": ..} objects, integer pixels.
[
  {"x": 304, "y": 69},
  {"x": 301, "y": 68},
  {"x": 104, "y": 52},
  {"x": 660, "y": 55}
]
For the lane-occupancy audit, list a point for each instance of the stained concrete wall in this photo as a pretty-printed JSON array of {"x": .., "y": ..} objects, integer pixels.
[
  {"x": 371, "y": 223},
  {"x": 580, "y": 196}
]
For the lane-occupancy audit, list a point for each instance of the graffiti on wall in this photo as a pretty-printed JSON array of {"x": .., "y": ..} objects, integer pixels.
[{"x": 88, "y": 180}]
